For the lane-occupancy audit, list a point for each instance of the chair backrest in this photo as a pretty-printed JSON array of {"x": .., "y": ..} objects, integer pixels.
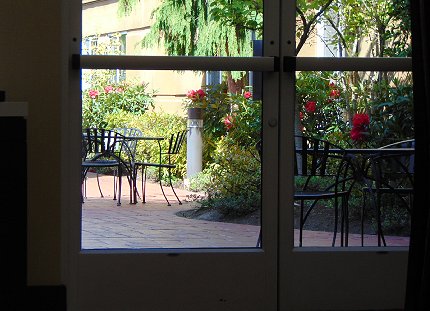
[
  {"x": 129, "y": 132},
  {"x": 176, "y": 141},
  {"x": 99, "y": 142},
  {"x": 394, "y": 171},
  {"x": 319, "y": 160},
  {"x": 410, "y": 158},
  {"x": 408, "y": 143},
  {"x": 317, "y": 157}
]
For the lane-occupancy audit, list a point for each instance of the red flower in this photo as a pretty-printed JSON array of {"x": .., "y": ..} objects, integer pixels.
[
  {"x": 247, "y": 95},
  {"x": 93, "y": 93},
  {"x": 360, "y": 123},
  {"x": 334, "y": 93},
  {"x": 228, "y": 122},
  {"x": 301, "y": 115},
  {"x": 191, "y": 94},
  {"x": 200, "y": 93},
  {"x": 360, "y": 120},
  {"x": 356, "y": 134},
  {"x": 108, "y": 89},
  {"x": 196, "y": 95},
  {"x": 311, "y": 106},
  {"x": 332, "y": 84}
]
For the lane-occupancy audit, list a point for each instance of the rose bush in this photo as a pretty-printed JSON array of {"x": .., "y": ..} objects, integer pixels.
[
  {"x": 102, "y": 100},
  {"x": 321, "y": 106},
  {"x": 360, "y": 127}
]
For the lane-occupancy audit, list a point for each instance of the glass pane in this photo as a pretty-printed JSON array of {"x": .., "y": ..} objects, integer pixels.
[
  {"x": 216, "y": 173},
  {"x": 170, "y": 27},
  {"x": 365, "y": 28},
  {"x": 366, "y": 116}
]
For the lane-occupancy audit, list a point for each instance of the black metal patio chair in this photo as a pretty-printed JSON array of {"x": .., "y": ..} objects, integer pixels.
[
  {"x": 130, "y": 134},
  {"x": 390, "y": 182},
  {"x": 326, "y": 173},
  {"x": 166, "y": 159},
  {"x": 103, "y": 148}
]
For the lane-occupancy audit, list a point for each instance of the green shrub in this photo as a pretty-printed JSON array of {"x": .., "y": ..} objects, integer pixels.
[
  {"x": 235, "y": 177},
  {"x": 321, "y": 106},
  {"x": 153, "y": 124},
  {"x": 103, "y": 100}
]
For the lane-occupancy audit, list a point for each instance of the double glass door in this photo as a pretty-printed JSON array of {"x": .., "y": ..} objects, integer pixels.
[{"x": 228, "y": 275}]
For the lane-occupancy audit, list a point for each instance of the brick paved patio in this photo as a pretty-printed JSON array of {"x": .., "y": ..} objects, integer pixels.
[{"x": 155, "y": 225}]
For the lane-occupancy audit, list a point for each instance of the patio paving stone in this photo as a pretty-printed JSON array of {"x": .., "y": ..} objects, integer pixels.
[{"x": 155, "y": 225}]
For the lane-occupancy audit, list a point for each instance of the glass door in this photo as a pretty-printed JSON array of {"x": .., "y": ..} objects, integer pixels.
[
  {"x": 146, "y": 253},
  {"x": 341, "y": 66},
  {"x": 130, "y": 256}
]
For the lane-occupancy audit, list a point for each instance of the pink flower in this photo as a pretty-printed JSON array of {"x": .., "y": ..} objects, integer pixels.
[
  {"x": 108, "y": 89},
  {"x": 360, "y": 120},
  {"x": 191, "y": 94},
  {"x": 247, "y": 95},
  {"x": 93, "y": 93},
  {"x": 311, "y": 106},
  {"x": 228, "y": 122},
  {"x": 196, "y": 95},
  {"x": 119, "y": 90}
]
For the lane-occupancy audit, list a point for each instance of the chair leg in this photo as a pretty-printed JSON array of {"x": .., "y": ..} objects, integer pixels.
[
  {"x": 115, "y": 186},
  {"x": 143, "y": 184},
  {"x": 381, "y": 237},
  {"x": 171, "y": 186},
  {"x": 346, "y": 219},
  {"x": 362, "y": 215},
  {"x": 259, "y": 239},
  {"x": 98, "y": 184},
  {"x": 161, "y": 186},
  {"x": 84, "y": 189},
  {"x": 119, "y": 185},
  {"x": 83, "y": 184},
  {"x": 301, "y": 223},
  {"x": 336, "y": 220}
]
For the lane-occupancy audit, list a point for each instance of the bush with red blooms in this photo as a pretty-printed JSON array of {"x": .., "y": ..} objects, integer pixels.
[
  {"x": 321, "y": 105},
  {"x": 360, "y": 127},
  {"x": 197, "y": 98}
]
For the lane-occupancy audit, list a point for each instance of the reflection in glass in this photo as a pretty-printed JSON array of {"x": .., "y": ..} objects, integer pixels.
[
  {"x": 221, "y": 204},
  {"x": 366, "y": 28},
  {"x": 357, "y": 111},
  {"x": 170, "y": 27}
]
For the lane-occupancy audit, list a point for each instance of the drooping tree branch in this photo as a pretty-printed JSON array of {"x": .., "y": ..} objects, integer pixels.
[{"x": 309, "y": 25}]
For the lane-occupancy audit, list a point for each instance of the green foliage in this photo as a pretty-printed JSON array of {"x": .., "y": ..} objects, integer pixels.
[
  {"x": 243, "y": 15},
  {"x": 220, "y": 106},
  {"x": 235, "y": 176},
  {"x": 327, "y": 118},
  {"x": 200, "y": 181},
  {"x": 392, "y": 116},
  {"x": 246, "y": 120},
  {"x": 153, "y": 124},
  {"x": 185, "y": 28},
  {"x": 125, "y": 7},
  {"x": 232, "y": 126},
  {"x": 100, "y": 102}
]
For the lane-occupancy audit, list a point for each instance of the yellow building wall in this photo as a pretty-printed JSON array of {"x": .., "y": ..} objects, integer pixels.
[{"x": 101, "y": 17}]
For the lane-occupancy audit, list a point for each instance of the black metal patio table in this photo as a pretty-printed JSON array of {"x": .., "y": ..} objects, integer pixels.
[
  {"x": 362, "y": 159},
  {"x": 158, "y": 139}
]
